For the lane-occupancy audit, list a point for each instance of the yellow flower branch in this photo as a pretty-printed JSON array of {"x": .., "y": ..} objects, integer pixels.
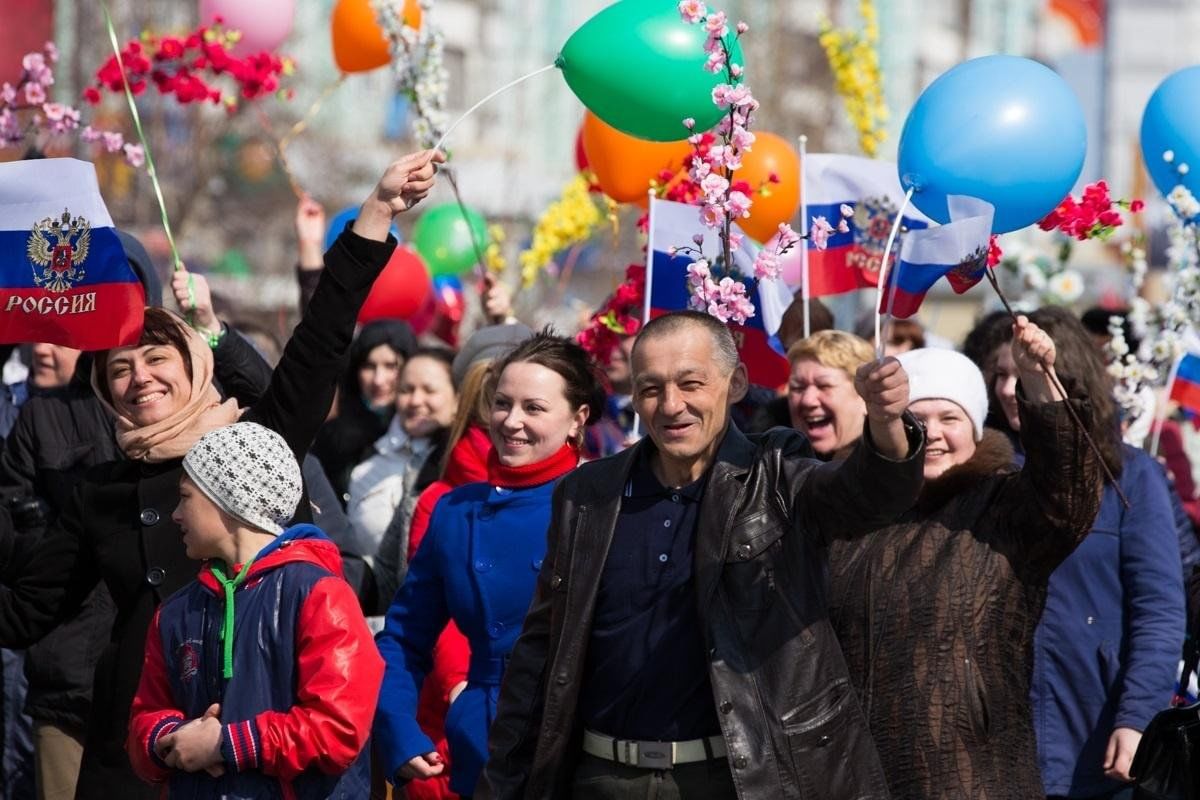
[{"x": 854, "y": 60}]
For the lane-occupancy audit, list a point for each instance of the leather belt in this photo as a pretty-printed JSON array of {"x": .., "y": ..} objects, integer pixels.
[{"x": 653, "y": 755}]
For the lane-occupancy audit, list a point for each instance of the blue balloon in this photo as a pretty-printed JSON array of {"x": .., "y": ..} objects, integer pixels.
[
  {"x": 1171, "y": 126},
  {"x": 1005, "y": 129},
  {"x": 341, "y": 219},
  {"x": 447, "y": 282}
]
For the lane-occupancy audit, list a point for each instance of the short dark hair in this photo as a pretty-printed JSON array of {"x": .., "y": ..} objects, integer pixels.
[
  {"x": 159, "y": 327},
  {"x": 442, "y": 355},
  {"x": 791, "y": 326},
  {"x": 724, "y": 347},
  {"x": 569, "y": 360}
]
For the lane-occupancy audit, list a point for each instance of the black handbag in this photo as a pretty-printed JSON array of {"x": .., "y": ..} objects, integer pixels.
[{"x": 1167, "y": 763}]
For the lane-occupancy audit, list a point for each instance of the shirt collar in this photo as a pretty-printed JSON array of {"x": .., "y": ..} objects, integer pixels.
[
  {"x": 396, "y": 440},
  {"x": 644, "y": 483}
]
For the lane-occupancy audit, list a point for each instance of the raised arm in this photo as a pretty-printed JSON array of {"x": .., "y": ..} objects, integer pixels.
[
  {"x": 1052, "y": 503},
  {"x": 881, "y": 478},
  {"x": 302, "y": 386}
]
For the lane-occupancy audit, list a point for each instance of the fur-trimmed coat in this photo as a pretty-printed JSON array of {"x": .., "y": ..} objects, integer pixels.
[{"x": 936, "y": 614}]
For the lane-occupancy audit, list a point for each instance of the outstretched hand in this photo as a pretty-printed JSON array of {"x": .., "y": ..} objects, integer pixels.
[
  {"x": 193, "y": 297},
  {"x": 883, "y": 386}
]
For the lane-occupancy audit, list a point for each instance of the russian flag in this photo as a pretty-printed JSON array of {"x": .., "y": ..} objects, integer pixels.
[
  {"x": 872, "y": 188},
  {"x": 64, "y": 277},
  {"x": 957, "y": 250},
  {"x": 673, "y": 225},
  {"x": 1186, "y": 388}
]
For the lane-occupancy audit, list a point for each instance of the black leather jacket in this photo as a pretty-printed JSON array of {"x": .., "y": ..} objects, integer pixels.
[{"x": 788, "y": 714}]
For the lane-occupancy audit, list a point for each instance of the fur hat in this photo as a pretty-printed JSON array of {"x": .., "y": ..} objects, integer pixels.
[
  {"x": 935, "y": 373},
  {"x": 249, "y": 472}
]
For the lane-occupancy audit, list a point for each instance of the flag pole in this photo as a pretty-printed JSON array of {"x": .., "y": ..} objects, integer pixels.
[
  {"x": 1160, "y": 413},
  {"x": 883, "y": 275},
  {"x": 804, "y": 285}
]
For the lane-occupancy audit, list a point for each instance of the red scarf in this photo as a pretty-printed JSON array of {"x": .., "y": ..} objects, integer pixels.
[{"x": 552, "y": 468}]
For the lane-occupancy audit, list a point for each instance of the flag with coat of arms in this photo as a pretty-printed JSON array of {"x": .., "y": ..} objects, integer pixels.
[{"x": 64, "y": 276}]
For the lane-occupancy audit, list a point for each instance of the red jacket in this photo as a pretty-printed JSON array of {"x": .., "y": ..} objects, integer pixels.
[
  {"x": 297, "y": 710},
  {"x": 452, "y": 654}
]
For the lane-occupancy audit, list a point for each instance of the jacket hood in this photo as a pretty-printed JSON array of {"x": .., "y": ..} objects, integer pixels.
[
  {"x": 994, "y": 455},
  {"x": 299, "y": 543}
]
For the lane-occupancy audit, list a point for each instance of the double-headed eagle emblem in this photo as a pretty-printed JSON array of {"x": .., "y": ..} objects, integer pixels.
[{"x": 59, "y": 246}]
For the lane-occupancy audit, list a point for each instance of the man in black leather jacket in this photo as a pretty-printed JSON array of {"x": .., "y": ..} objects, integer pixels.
[{"x": 681, "y": 603}]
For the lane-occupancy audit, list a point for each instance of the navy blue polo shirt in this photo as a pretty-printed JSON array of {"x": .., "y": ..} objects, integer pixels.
[{"x": 646, "y": 675}]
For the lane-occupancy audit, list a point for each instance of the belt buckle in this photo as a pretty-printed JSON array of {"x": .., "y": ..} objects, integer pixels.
[{"x": 655, "y": 755}]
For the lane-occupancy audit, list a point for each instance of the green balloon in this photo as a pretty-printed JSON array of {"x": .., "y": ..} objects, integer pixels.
[
  {"x": 640, "y": 67},
  {"x": 443, "y": 237}
]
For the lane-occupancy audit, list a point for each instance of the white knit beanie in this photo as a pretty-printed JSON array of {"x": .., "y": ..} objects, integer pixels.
[
  {"x": 249, "y": 472},
  {"x": 935, "y": 373}
]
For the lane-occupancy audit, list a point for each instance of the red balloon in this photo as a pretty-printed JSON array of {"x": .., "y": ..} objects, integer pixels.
[{"x": 401, "y": 290}]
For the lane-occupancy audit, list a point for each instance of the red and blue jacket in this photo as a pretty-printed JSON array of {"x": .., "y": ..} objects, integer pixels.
[{"x": 306, "y": 675}]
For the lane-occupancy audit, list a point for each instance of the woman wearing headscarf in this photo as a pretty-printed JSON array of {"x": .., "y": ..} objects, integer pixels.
[{"x": 118, "y": 526}]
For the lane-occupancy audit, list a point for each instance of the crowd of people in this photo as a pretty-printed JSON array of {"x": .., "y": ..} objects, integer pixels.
[{"x": 366, "y": 562}]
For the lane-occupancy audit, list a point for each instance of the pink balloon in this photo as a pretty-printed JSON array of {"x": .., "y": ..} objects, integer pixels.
[{"x": 264, "y": 23}]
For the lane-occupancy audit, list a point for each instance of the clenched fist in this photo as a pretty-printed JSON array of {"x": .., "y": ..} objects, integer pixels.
[
  {"x": 883, "y": 386},
  {"x": 1034, "y": 355}
]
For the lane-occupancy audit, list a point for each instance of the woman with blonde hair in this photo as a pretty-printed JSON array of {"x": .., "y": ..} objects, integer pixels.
[{"x": 822, "y": 401}]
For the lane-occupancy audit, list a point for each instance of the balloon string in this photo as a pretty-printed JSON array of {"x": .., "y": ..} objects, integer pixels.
[
  {"x": 300, "y": 126},
  {"x": 884, "y": 269},
  {"x": 462, "y": 208},
  {"x": 137, "y": 124},
  {"x": 499, "y": 91}
]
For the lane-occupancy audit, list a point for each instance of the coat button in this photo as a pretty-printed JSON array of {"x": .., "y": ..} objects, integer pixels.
[
  {"x": 741, "y": 762},
  {"x": 155, "y": 576},
  {"x": 556, "y": 582},
  {"x": 537, "y": 563},
  {"x": 726, "y": 707},
  {"x": 561, "y": 679},
  {"x": 743, "y": 552},
  {"x": 482, "y": 565},
  {"x": 495, "y": 629},
  {"x": 823, "y": 741},
  {"x": 149, "y": 517}
]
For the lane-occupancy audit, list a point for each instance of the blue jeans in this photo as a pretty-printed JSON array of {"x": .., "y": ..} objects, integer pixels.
[{"x": 18, "y": 773}]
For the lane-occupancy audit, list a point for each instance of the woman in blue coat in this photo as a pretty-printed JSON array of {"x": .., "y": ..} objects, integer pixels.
[
  {"x": 480, "y": 558},
  {"x": 1109, "y": 642}
]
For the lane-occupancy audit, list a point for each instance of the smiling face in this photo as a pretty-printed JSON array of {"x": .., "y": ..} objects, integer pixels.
[
  {"x": 52, "y": 366},
  {"x": 949, "y": 435},
  {"x": 379, "y": 375},
  {"x": 1004, "y": 384},
  {"x": 531, "y": 417},
  {"x": 824, "y": 406},
  {"x": 207, "y": 530},
  {"x": 148, "y": 383},
  {"x": 426, "y": 399},
  {"x": 683, "y": 395}
]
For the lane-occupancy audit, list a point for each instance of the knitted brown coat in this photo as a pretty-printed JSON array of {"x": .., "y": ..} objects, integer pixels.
[{"x": 936, "y": 614}]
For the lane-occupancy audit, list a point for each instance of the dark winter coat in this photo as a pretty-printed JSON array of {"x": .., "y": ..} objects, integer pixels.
[
  {"x": 118, "y": 526},
  {"x": 936, "y": 614},
  {"x": 790, "y": 720}
]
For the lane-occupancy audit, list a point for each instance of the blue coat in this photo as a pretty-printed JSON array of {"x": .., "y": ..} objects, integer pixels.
[
  {"x": 1108, "y": 646},
  {"x": 477, "y": 565}
]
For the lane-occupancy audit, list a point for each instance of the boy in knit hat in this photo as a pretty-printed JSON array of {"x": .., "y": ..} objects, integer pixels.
[{"x": 260, "y": 677}]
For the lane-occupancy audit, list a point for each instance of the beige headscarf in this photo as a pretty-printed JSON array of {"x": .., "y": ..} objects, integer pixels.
[{"x": 175, "y": 435}]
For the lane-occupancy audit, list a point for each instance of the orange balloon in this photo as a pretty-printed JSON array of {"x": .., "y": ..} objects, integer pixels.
[
  {"x": 770, "y": 155},
  {"x": 624, "y": 166},
  {"x": 359, "y": 43}
]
